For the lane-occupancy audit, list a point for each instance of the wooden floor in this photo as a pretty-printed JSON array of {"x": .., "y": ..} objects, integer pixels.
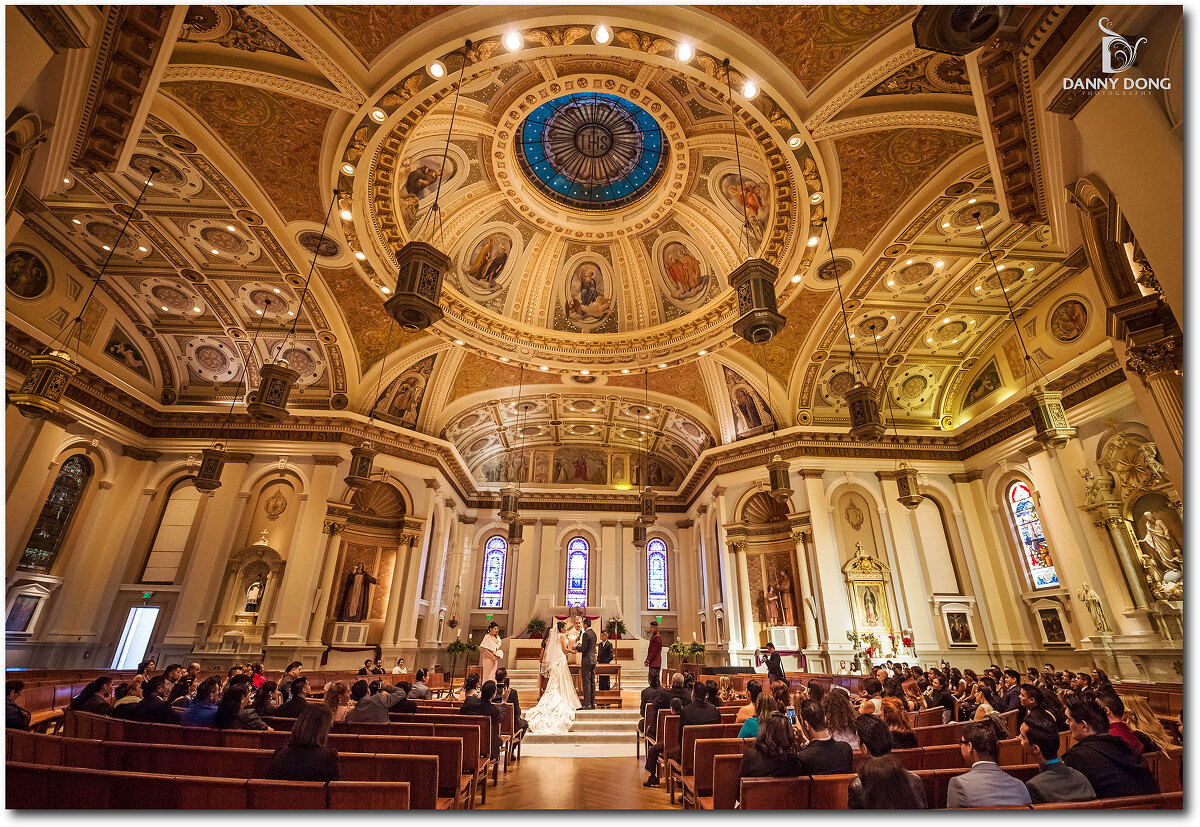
[{"x": 576, "y": 784}]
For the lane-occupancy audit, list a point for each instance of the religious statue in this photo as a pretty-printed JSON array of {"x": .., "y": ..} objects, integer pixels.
[
  {"x": 1088, "y": 597},
  {"x": 781, "y": 596},
  {"x": 355, "y": 603},
  {"x": 1158, "y": 538},
  {"x": 254, "y": 595}
]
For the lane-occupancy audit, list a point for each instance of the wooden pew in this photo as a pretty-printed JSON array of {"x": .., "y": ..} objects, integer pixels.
[
  {"x": 698, "y": 787},
  {"x": 677, "y": 768}
]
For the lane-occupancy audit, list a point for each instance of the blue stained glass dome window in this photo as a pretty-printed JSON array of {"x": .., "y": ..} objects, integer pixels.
[
  {"x": 491, "y": 594},
  {"x": 656, "y": 575},
  {"x": 1029, "y": 531},
  {"x": 591, "y": 150},
  {"x": 577, "y": 572}
]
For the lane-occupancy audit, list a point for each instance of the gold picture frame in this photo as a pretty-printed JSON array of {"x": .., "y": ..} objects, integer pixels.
[{"x": 870, "y": 606}]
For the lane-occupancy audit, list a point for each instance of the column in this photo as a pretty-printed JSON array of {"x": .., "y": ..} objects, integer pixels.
[
  {"x": 1160, "y": 366},
  {"x": 406, "y": 585},
  {"x": 331, "y": 528},
  {"x": 726, "y": 575},
  {"x": 980, "y": 587},
  {"x": 831, "y": 586},
  {"x": 302, "y": 568},
  {"x": 811, "y": 639},
  {"x": 435, "y": 596},
  {"x": 684, "y": 562},
  {"x": 548, "y": 573},
  {"x": 630, "y": 580},
  {"x": 746, "y": 609},
  {"x": 909, "y": 569}
]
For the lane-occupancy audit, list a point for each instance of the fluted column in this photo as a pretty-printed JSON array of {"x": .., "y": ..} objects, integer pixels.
[
  {"x": 830, "y": 583},
  {"x": 811, "y": 638},
  {"x": 909, "y": 569},
  {"x": 302, "y": 570},
  {"x": 332, "y": 528},
  {"x": 746, "y": 613},
  {"x": 406, "y": 585}
]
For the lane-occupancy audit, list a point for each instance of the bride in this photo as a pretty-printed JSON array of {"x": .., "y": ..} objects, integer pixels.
[{"x": 554, "y": 713}]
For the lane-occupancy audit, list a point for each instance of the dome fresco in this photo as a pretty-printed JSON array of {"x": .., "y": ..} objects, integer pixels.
[{"x": 591, "y": 151}]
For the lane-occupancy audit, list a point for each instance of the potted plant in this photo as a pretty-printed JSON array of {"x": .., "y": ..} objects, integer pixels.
[
  {"x": 461, "y": 647},
  {"x": 694, "y": 651},
  {"x": 615, "y": 628},
  {"x": 677, "y": 653},
  {"x": 536, "y": 628}
]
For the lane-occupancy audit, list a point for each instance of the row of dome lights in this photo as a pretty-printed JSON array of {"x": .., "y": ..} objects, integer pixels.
[{"x": 602, "y": 35}]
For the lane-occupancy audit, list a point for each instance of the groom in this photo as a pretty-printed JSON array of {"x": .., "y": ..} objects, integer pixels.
[{"x": 587, "y": 664}]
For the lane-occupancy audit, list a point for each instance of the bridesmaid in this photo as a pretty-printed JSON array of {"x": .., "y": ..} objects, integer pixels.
[{"x": 490, "y": 654}]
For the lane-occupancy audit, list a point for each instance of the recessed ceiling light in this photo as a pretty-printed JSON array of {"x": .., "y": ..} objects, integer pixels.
[
  {"x": 704, "y": 353},
  {"x": 796, "y": 278},
  {"x": 795, "y": 141},
  {"x": 971, "y": 201},
  {"x": 662, "y": 364},
  {"x": 979, "y": 287},
  {"x": 685, "y": 52},
  {"x": 602, "y": 34},
  {"x": 513, "y": 40},
  {"x": 1001, "y": 267},
  {"x": 216, "y": 252},
  {"x": 954, "y": 342},
  {"x": 76, "y": 221},
  {"x": 66, "y": 180},
  {"x": 164, "y": 307},
  {"x": 360, "y": 255},
  {"x": 930, "y": 341},
  {"x": 275, "y": 289},
  {"x": 939, "y": 264},
  {"x": 142, "y": 249},
  {"x": 979, "y": 226},
  {"x": 892, "y": 317},
  {"x": 378, "y": 114},
  {"x": 543, "y": 367},
  {"x": 585, "y": 372},
  {"x": 909, "y": 261},
  {"x": 197, "y": 310},
  {"x": 813, "y": 241},
  {"x": 971, "y": 322},
  {"x": 231, "y": 228},
  {"x": 348, "y": 169},
  {"x": 437, "y": 69},
  {"x": 385, "y": 289},
  {"x": 346, "y": 215},
  {"x": 749, "y": 90},
  {"x": 624, "y": 370},
  {"x": 891, "y": 283},
  {"x": 105, "y": 247},
  {"x": 458, "y": 341},
  {"x": 946, "y": 320},
  {"x": 259, "y": 312},
  {"x": 291, "y": 313},
  {"x": 816, "y": 197},
  {"x": 1028, "y": 269},
  {"x": 945, "y": 224},
  {"x": 503, "y": 358}
]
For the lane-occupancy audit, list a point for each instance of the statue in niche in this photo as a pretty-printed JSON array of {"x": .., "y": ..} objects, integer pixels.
[
  {"x": 254, "y": 595},
  {"x": 1091, "y": 601},
  {"x": 781, "y": 599},
  {"x": 355, "y": 605},
  {"x": 1161, "y": 542}
]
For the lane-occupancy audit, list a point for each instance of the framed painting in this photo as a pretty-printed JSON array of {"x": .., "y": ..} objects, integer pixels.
[
  {"x": 958, "y": 627},
  {"x": 870, "y": 606}
]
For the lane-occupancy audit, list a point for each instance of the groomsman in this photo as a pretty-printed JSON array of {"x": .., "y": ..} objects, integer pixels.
[
  {"x": 604, "y": 654},
  {"x": 654, "y": 654}
]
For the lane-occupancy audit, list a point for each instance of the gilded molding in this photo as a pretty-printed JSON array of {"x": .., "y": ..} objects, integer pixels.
[
  {"x": 263, "y": 80},
  {"x": 890, "y": 120}
]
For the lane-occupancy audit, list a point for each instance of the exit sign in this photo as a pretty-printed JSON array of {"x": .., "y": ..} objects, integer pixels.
[{"x": 147, "y": 595}]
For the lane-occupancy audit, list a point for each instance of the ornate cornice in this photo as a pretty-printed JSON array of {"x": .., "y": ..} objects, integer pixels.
[
  {"x": 55, "y": 26},
  {"x": 262, "y": 80},
  {"x": 893, "y": 120},
  {"x": 967, "y": 477},
  {"x": 1161, "y": 357},
  {"x": 328, "y": 459},
  {"x": 139, "y": 454}
]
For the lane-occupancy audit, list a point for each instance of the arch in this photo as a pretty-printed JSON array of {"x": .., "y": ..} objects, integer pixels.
[
  {"x": 289, "y": 469},
  {"x": 58, "y": 513},
  {"x": 353, "y": 496},
  {"x": 104, "y": 466},
  {"x": 657, "y": 580},
  {"x": 850, "y": 482},
  {"x": 494, "y": 566}
]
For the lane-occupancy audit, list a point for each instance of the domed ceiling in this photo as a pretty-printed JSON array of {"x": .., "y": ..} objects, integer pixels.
[{"x": 592, "y": 200}]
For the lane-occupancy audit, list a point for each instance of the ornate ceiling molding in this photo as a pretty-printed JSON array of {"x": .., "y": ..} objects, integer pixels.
[
  {"x": 265, "y": 80},
  {"x": 301, "y": 43},
  {"x": 890, "y": 120},
  {"x": 864, "y": 83}
]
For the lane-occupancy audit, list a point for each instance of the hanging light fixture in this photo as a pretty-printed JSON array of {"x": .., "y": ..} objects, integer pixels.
[
  {"x": 865, "y": 422},
  {"x": 1051, "y": 427},
  {"x": 906, "y": 476},
  {"x": 510, "y": 495},
  {"x": 362, "y": 458},
  {"x": 753, "y": 281},
  {"x": 777, "y": 468},
  {"x": 421, "y": 267},
  {"x": 646, "y": 512},
  {"x": 213, "y": 458},
  {"x": 40, "y": 395},
  {"x": 639, "y": 536}
]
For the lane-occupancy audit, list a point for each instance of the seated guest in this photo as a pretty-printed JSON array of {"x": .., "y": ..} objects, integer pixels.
[
  {"x": 872, "y": 702},
  {"x": 15, "y": 715},
  {"x": 234, "y": 710},
  {"x": 405, "y": 705},
  {"x": 508, "y": 695},
  {"x": 725, "y": 690},
  {"x": 306, "y": 758},
  {"x": 129, "y": 692},
  {"x": 816, "y": 692},
  {"x": 782, "y": 694},
  {"x": 883, "y": 784},
  {"x": 482, "y": 705},
  {"x": 939, "y": 695},
  {"x": 774, "y": 753},
  {"x": 266, "y": 700},
  {"x": 913, "y": 699},
  {"x": 399, "y": 668},
  {"x": 153, "y": 707},
  {"x": 367, "y": 666},
  {"x": 146, "y": 668},
  {"x": 203, "y": 708},
  {"x": 1055, "y": 781},
  {"x": 896, "y": 718},
  {"x": 1145, "y": 724},
  {"x": 663, "y": 701},
  {"x": 840, "y": 716},
  {"x": 1115, "y": 710},
  {"x": 1032, "y": 700},
  {"x": 181, "y": 693},
  {"x": 419, "y": 690},
  {"x": 1110, "y": 765},
  {"x": 1100, "y": 681},
  {"x": 985, "y": 702},
  {"x": 714, "y": 693},
  {"x": 985, "y": 784},
  {"x": 753, "y": 689},
  {"x": 372, "y": 702},
  {"x": 876, "y": 742},
  {"x": 337, "y": 698},
  {"x": 470, "y": 687},
  {"x": 766, "y": 708},
  {"x": 289, "y": 674},
  {"x": 701, "y": 710},
  {"x": 378, "y": 669},
  {"x": 94, "y": 697},
  {"x": 257, "y": 675},
  {"x": 297, "y": 703},
  {"x": 843, "y": 669},
  {"x": 823, "y": 755}
]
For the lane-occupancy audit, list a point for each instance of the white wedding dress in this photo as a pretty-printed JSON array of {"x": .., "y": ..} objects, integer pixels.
[{"x": 554, "y": 712}]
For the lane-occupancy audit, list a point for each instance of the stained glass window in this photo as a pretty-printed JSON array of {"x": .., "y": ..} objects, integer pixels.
[
  {"x": 1034, "y": 548},
  {"x": 491, "y": 595},
  {"x": 51, "y": 528},
  {"x": 656, "y": 575},
  {"x": 577, "y": 572}
]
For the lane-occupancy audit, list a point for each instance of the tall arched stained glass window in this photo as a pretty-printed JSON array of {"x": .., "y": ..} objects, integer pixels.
[
  {"x": 51, "y": 528},
  {"x": 656, "y": 575},
  {"x": 491, "y": 594},
  {"x": 577, "y": 572},
  {"x": 1034, "y": 548}
]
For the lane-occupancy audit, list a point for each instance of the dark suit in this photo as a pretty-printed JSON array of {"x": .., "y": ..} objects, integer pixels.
[
  {"x": 292, "y": 708},
  {"x": 587, "y": 667},
  {"x": 757, "y": 765},
  {"x": 519, "y": 723},
  {"x": 1058, "y": 782},
  {"x": 476, "y": 706},
  {"x": 698, "y": 712},
  {"x": 16, "y": 716},
  {"x": 150, "y": 710},
  {"x": 304, "y": 764},
  {"x": 1011, "y": 699},
  {"x": 775, "y": 668},
  {"x": 827, "y": 757},
  {"x": 604, "y": 654}
]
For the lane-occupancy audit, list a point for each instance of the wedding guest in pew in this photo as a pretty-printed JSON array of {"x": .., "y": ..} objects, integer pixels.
[
  {"x": 872, "y": 702},
  {"x": 1055, "y": 781},
  {"x": 181, "y": 694},
  {"x": 508, "y": 695},
  {"x": 235, "y": 671},
  {"x": 753, "y": 689},
  {"x": 939, "y": 695},
  {"x": 129, "y": 692},
  {"x": 714, "y": 694},
  {"x": 1110, "y": 765},
  {"x": 173, "y": 673},
  {"x": 378, "y": 669},
  {"x": 883, "y": 784},
  {"x": 816, "y": 692},
  {"x": 153, "y": 707},
  {"x": 372, "y": 701},
  {"x": 15, "y": 715},
  {"x": 877, "y": 742},
  {"x": 289, "y": 674},
  {"x": 146, "y": 669},
  {"x": 296, "y": 704},
  {"x": 663, "y": 701},
  {"x": 725, "y": 693},
  {"x": 406, "y": 705},
  {"x": 840, "y": 716},
  {"x": 766, "y": 707},
  {"x": 1010, "y": 699},
  {"x": 482, "y": 705},
  {"x": 985, "y": 702},
  {"x": 823, "y": 755},
  {"x": 266, "y": 700},
  {"x": 985, "y": 784},
  {"x": 1145, "y": 724},
  {"x": 896, "y": 718},
  {"x": 94, "y": 697},
  {"x": 419, "y": 690},
  {"x": 775, "y": 752},
  {"x": 235, "y": 712},
  {"x": 367, "y": 667},
  {"x": 203, "y": 708},
  {"x": 306, "y": 758},
  {"x": 1114, "y": 709},
  {"x": 337, "y": 698}
]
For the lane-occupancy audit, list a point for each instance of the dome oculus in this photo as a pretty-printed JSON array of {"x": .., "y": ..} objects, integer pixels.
[{"x": 591, "y": 151}]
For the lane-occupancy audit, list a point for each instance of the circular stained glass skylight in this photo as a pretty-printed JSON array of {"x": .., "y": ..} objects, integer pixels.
[{"x": 591, "y": 150}]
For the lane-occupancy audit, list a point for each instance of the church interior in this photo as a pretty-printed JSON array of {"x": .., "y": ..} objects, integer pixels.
[{"x": 341, "y": 333}]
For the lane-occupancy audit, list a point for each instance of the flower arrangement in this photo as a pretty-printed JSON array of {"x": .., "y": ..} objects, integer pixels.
[
  {"x": 536, "y": 628},
  {"x": 871, "y": 643},
  {"x": 908, "y": 642}
]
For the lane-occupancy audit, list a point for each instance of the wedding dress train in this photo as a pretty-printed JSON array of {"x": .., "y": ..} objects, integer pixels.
[{"x": 554, "y": 712}]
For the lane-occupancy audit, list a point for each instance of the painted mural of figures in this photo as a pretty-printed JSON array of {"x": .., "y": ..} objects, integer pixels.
[
  {"x": 685, "y": 278},
  {"x": 487, "y": 261},
  {"x": 1161, "y": 542},
  {"x": 404, "y": 406},
  {"x": 749, "y": 194},
  {"x": 746, "y": 409},
  {"x": 586, "y": 299}
]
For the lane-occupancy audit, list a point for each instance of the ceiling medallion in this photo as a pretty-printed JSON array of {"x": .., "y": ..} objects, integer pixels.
[{"x": 591, "y": 151}]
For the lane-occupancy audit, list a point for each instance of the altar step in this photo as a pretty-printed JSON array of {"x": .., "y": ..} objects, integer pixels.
[{"x": 611, "y": 731}]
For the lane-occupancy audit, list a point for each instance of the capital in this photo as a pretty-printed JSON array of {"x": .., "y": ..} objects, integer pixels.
[{"x": 333, "y": 527}]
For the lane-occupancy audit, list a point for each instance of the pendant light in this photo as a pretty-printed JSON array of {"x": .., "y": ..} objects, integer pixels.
[
  {"x": 753, "y": 281},
  {"x": 906, "y": 476},
  {"x": 362, "y": 458},
  {"x": 212, "y": 461},
  {"x": 777, "y": 468},
  {"x": 421, "y": 267},
  {"x": 277, "y": 378},
  {"x": 865, "y": 423},
  {"x": 40, "y": 395},
  {"x": 646, "y": 509},
  {"x": 639, "y": 536},
  {"x": 1051, "y": 427},
  {"x": 510, "y": 495}
]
